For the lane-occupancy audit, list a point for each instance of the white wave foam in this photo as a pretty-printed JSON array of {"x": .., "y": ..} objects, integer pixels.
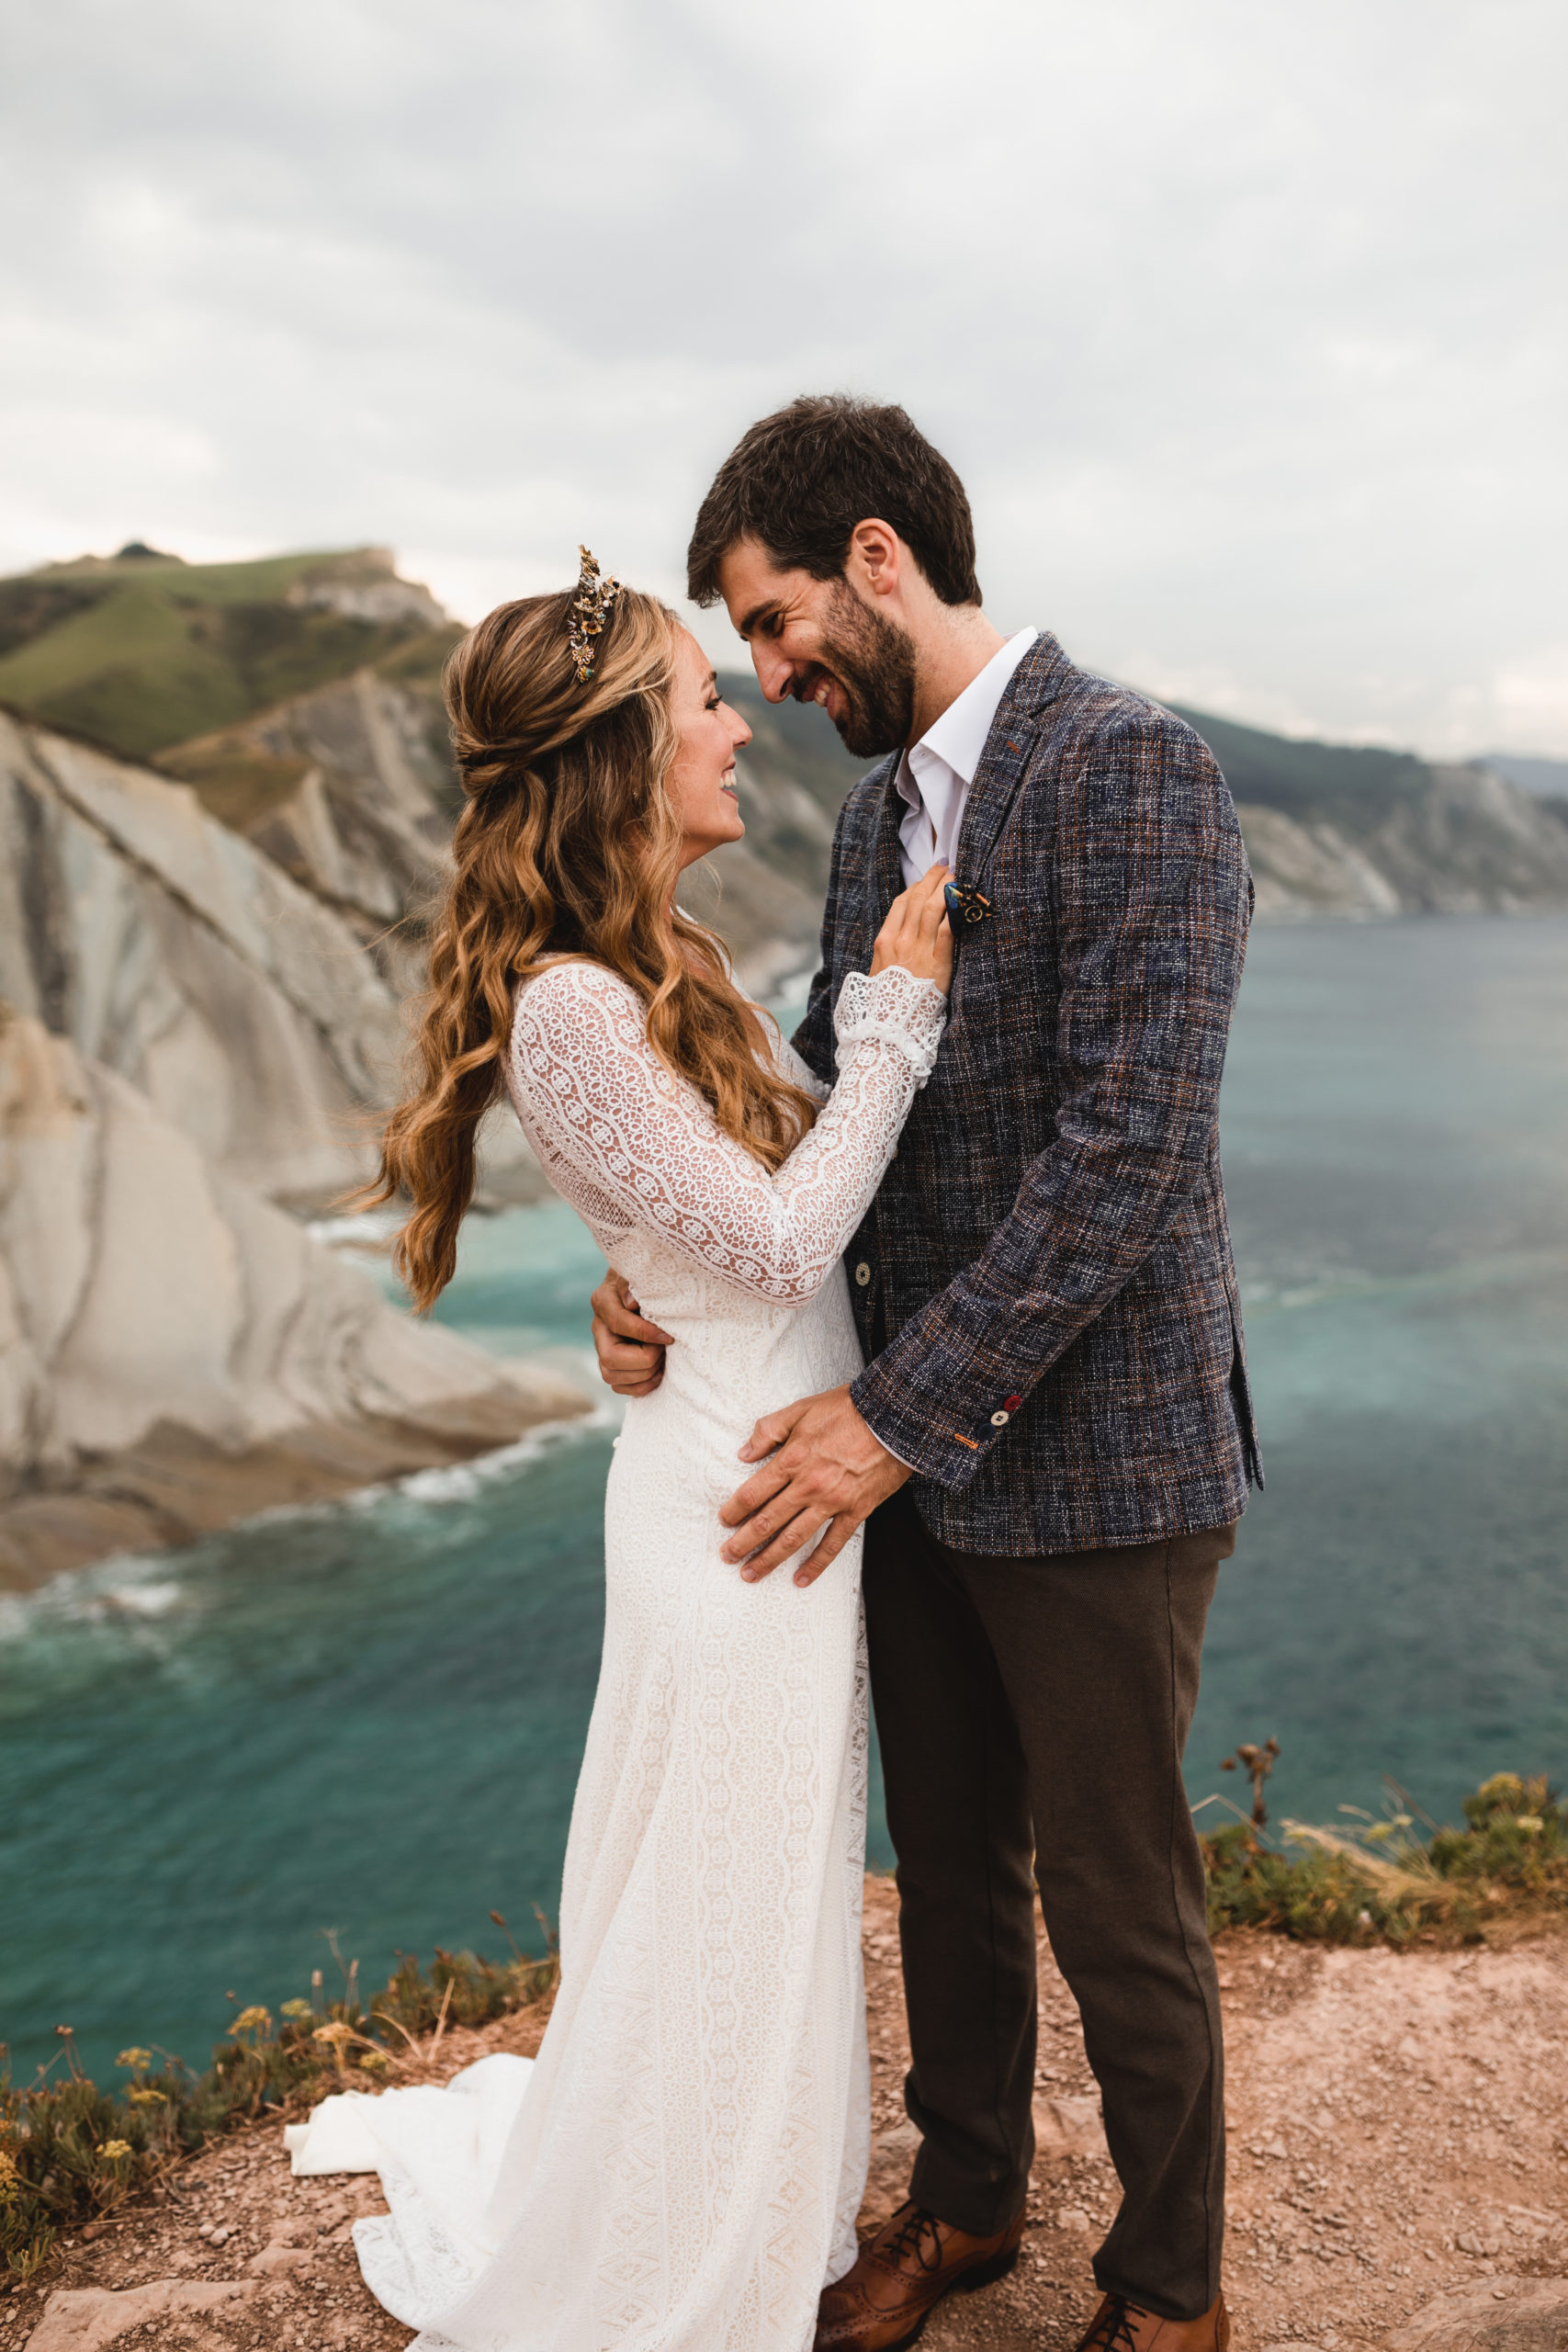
[
  {"x": 142, "y": 1600},
  {"x": 108, "y": 1592},
  {"x": 373, "y": 1229},
  {"x": 460, "y": 1481}
]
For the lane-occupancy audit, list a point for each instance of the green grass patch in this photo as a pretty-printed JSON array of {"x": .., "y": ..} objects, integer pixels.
[
  {"x": 147, "y": 653},
  {"x": 70, "y": 2150},
  {"x": 1401, "y": 1880}
]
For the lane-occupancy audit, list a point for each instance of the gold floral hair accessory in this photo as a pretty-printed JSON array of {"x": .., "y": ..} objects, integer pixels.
[{"x": 596, "y": 591}]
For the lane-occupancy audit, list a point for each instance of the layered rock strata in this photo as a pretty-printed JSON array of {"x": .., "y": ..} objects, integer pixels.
[
  {"x": 175, "y": 1351},
  {"x": 250, "y": 1011}
]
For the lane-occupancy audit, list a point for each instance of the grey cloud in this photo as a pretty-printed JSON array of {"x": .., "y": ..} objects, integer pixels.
[{"x": 1245, "y": 326}]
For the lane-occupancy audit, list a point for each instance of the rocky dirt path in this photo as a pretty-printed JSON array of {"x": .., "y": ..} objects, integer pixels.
[{"x": 1399, "y": 2135}]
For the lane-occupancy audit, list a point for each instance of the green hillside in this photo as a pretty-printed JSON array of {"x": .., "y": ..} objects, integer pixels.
[
  {"x": 1351, "y": 785},
  {"x": 196, "y": 668},
  {"x": 141, "y": 650},
  {"x": 1348, "y": 783}
]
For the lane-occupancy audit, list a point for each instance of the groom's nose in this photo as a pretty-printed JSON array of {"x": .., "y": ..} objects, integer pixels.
[{"x": 775, "y": 671}]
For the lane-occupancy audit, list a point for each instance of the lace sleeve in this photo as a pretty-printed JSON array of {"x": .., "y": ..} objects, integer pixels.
[
  {"x": 800, "y": 1071},
  {"x": 594, "y": 1091}
]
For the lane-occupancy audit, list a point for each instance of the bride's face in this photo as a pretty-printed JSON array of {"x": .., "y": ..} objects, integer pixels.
[{"x": 700, "y": 783}]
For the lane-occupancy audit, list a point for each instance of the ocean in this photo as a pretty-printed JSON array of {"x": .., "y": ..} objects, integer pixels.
[{"x": 357, "y": 1726}]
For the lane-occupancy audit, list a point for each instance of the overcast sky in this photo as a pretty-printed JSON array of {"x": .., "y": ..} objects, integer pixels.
[{"x": 1244, "y": 323}]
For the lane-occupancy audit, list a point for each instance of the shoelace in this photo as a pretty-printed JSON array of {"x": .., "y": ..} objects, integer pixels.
[
  {"x": 910, "y": 2238},
  {"x": 1113, "y": 2331}
]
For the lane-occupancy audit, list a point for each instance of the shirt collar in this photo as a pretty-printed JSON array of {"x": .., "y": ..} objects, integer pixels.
[{"x": 958, "y": 738}]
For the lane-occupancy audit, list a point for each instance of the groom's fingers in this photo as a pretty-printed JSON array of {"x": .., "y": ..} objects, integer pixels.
[
  {"x": 796, "y": 1508},
  {"x": 827, "y": 1472},
  {"x": 767, "y": 1437},
  {"x": 792, "y": 1536},
  {"x": 834, "y": 1537},
  {"x": 616, "y": 1309},
  {"x": 757, "y": 1513},
  {"x": 751, "y": 1498}
]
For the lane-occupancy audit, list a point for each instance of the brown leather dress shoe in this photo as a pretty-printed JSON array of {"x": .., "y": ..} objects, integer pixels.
[
  {"x": 1122, "y": 2327},
  {"x": 882, "y": 2304}
]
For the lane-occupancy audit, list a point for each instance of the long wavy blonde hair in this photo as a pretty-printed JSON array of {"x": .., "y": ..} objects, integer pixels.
[{"x": 568, "y": 846}]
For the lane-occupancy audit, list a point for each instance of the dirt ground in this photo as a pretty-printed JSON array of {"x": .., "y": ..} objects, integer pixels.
[{"x": 1398, "y": 2125}]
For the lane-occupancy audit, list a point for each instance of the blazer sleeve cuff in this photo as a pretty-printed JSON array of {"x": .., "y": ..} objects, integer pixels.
[{"x": 931, "y": 1431}]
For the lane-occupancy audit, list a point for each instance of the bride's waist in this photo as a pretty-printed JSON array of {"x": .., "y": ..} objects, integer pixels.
[
  {"x": 713, "y": 1317},
  {"x": 733, "y": 1376},
  {"x": 729, "y": 1373}
]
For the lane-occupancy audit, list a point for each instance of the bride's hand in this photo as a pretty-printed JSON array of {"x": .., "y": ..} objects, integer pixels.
[{"x": 917, "y": 932}]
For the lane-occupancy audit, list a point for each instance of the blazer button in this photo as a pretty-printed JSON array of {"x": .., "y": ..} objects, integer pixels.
[
  {"x": 1000, "y": 1420},
  {"x": 862, "y": 1273}
]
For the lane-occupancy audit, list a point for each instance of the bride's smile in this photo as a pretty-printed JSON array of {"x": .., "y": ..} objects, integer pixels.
[{"x": 701, "y": 787}]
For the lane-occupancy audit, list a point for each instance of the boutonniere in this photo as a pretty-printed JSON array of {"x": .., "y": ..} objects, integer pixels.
[{"x": 965, "y": 904}]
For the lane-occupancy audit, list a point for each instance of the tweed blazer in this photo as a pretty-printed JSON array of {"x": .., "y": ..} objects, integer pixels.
[{"x": 1043, "y": 1282}]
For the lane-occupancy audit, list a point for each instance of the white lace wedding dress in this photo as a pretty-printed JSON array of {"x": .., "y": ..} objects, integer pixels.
[{"x": 680, "y": 2168}]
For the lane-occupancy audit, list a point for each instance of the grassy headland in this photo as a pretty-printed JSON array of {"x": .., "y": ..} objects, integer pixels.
[
  {"x": 142, "y": 652},
  {"x": 71, "y": 2150}
]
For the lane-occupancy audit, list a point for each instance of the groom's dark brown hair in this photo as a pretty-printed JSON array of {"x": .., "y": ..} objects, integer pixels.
[{"x": 801, "y": 480}]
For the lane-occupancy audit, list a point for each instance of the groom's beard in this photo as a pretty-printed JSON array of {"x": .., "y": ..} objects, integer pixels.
[{"x": 874, "y": 661}]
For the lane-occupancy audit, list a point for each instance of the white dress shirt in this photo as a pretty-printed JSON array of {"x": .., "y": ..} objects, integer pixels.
[{"x": 934, "y": 776}]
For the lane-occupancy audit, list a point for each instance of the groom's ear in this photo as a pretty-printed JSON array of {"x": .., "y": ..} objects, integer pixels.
[{"x": 875, "y": 560}]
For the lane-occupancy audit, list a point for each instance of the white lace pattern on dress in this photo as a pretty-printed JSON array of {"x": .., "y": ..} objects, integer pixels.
[
  {"x": 628, "y": 1143},
  {"x": 680, "y": 2169}
]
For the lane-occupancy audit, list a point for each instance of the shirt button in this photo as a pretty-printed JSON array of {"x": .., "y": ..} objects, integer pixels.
[
  {"x": 862, "y": 1273},
  {"x": 1000, "y": 1420}
]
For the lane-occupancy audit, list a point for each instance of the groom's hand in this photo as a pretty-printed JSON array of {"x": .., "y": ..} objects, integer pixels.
[
  {"x": 823, "y": 1463},
  {"x": 630, "y": 1350}
]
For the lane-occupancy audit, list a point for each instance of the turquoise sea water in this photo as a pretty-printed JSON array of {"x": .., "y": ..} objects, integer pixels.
[{"x": 368, "y": 1717}]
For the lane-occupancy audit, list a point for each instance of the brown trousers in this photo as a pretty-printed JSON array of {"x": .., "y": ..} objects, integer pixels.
[{"x": 1031, "y": 1715}]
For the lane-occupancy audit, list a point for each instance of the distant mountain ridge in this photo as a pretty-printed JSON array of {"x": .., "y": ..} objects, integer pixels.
[
  {"x": 1346, "y": 829},
  {"x": 1342, "y": 831},
  {"x": 299, "y": 698},
  {"x": 1548, "y": 779}
]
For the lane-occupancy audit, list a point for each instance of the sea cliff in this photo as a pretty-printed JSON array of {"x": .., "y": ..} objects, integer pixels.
[
  {"x": 193, "y": 1043},
  {"x": 226, "y": 801},
  {"x": 175, "y": 1351}
]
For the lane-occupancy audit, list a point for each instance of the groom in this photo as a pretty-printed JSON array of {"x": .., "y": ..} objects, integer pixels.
[{"x": 1052, "y": 1440}]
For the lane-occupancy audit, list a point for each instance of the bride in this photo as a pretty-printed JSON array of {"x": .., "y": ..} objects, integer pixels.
[{"x": 680, "y": 2168}]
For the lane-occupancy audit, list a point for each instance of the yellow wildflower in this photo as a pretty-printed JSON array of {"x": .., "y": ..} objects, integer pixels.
[
  {"x": 143, "y": 2095},
  {"x": 297, "y": 2010},
  {"x": 336, "y": 2032},
  {"x": 374, "y": 2059},
  {"x": 254, "y": 2020},
  {"x": 1530, "y": 1821},
  {"x": 10, "y": 2177},
  {"x": 115, "y": 2151},
  {"x": 138, "y": 2059}
]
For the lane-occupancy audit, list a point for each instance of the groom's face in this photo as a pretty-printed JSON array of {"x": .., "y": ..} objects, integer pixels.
[{"x": 818, "y": 641}]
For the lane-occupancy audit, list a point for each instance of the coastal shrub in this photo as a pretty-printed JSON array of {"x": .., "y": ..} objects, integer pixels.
[
  {"x": 71, "y": 2151},
  {"x": 1397, "y": 1878}
]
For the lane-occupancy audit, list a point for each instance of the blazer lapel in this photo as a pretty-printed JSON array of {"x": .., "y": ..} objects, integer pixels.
[
  {"x": 886, "y": 867},
  {"x": 1037, "y": 681}
]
